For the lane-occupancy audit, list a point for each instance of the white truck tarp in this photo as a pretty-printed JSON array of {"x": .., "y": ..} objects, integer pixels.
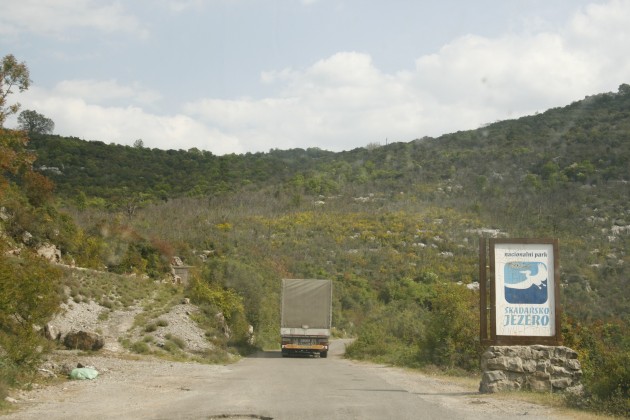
[{"x": 306, "y": 304}]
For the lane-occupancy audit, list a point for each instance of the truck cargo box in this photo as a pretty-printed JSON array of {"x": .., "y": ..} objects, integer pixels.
[{"x": 306, "y": 316}]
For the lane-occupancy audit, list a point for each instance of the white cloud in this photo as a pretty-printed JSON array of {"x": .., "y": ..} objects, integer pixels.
[
  {"x": 601, "y": 32},
  {"x": 339, "y": 103},
  {"x": 513, "y": 75},
  {"x": 55, "y": 17},
  {"x": 103, "y": 91},
  {"x": 179, "y": 6}
]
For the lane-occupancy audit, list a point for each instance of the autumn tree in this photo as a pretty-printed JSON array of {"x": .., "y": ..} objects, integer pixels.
[
  {"x": 38, "y": 188},
  {"x": 13, "y": 74},
  {"x": 35, "y": 123},
  {"x": 15, "y": 159}
]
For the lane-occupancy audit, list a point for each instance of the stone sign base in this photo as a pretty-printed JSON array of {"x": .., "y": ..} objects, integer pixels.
[{"x": 535, "y": 368}]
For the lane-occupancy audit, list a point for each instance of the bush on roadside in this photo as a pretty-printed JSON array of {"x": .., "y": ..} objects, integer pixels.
[
  {"x": 452, "y": 328},
  {"x": 604, "y": 352},
  {"x": 28, "y": 299}
]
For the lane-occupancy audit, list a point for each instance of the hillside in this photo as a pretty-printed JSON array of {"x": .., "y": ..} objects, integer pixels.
[
  {"x": 396, "y": 227},
  {"x": 563, "y": 173},
  {"x": 585, "y": 141}
]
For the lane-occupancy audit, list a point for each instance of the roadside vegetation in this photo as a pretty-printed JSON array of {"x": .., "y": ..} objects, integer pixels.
[{"x": 395, "y": 227}]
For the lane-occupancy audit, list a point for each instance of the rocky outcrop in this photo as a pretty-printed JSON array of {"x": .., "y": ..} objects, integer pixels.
[
  {"x": 49, "y": 252},
  {"x": 223, "y": 326},
  {"x": 83, "y": 340},
  {"x": 535, "y": 368}
]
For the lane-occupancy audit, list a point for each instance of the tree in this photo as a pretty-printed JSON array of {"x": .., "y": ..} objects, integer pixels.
[
  {"x": 28, "y": 299},
  {"x": 12, "y": 74},
  {"x": 35, "y": 123},
  {"x": 38, "y": 188},
  {"x": 14, "y": 156}
]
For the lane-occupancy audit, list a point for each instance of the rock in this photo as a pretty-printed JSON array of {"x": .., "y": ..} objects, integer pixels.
[
  {"x": 529, "y": 366},
  {"x": 220, "y": 318},
  {"x": 561, "y": 383},
  {"x": 514, "y": 364},
  {"x": 4, "y": 215},
  {"x": 50, "y": 252},
  {"x": 473, "y": 286},
  {"x": 572, "y": 364},
  {"x": 10, "y": 400},
  {"x": 491, "y": 381},
  {"x": 494, "y": 376},
  {"x": 251, "y": 338},
  {"x": 27, "y": 238},
  {"x": 66, "y": 368},
  {"x": 227, "y": 331},
  {"x": 538, "y": 385},
  {"x": 83, "y": 340},
  {"x": 51, "y": 332},
  {"x": 559, "y": 371}
]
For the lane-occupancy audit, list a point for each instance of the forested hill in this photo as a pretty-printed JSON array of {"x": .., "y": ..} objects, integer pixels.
[{"x": 585, "y": 143}]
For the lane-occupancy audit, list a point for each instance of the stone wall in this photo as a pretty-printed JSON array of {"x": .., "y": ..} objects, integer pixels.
[{"x": 535, "y": 368}]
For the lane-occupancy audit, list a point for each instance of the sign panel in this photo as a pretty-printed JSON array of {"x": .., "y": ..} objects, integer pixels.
[{"x": 525, "y": 289}]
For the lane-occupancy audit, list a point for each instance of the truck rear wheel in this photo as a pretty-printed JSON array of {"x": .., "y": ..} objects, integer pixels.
[{"x": 323, "y": 354}]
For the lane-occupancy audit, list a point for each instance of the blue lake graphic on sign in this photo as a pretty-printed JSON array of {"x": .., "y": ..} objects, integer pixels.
[{"x": 525, "y": 282}]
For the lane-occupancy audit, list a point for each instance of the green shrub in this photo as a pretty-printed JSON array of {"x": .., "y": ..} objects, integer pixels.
[
  {"x": 171, "y": 347},
  {"x": 391, "y": 335},
  {"x": 139, "y": 257},
  {"x": 140, "y": 347},
  {"x": 180, "y": 343},
  {"x": 227, "y": 301},
  {"x": 28, "y": 298},
  {"x": 452, "y": 328},
  {"x": 604, "y": 352},
  {"x": 150, "y": 327},
  {"x": 371, "y": 343}
]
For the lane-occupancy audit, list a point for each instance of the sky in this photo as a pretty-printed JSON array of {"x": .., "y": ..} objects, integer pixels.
[{"x": 239, "y": 76}]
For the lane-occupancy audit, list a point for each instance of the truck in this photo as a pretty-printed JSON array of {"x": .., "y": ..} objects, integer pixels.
[{"x": 306, "y": 316}]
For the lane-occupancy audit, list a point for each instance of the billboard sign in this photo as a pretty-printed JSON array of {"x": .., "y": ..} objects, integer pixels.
[{"x": 524, "y": 291}]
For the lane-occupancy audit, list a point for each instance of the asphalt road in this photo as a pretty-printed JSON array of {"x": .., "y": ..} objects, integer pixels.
[
  {"x": 264, "y": 386},
  {"x": 271, "y": 387},
  {"x": 268, "y": 386}
]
